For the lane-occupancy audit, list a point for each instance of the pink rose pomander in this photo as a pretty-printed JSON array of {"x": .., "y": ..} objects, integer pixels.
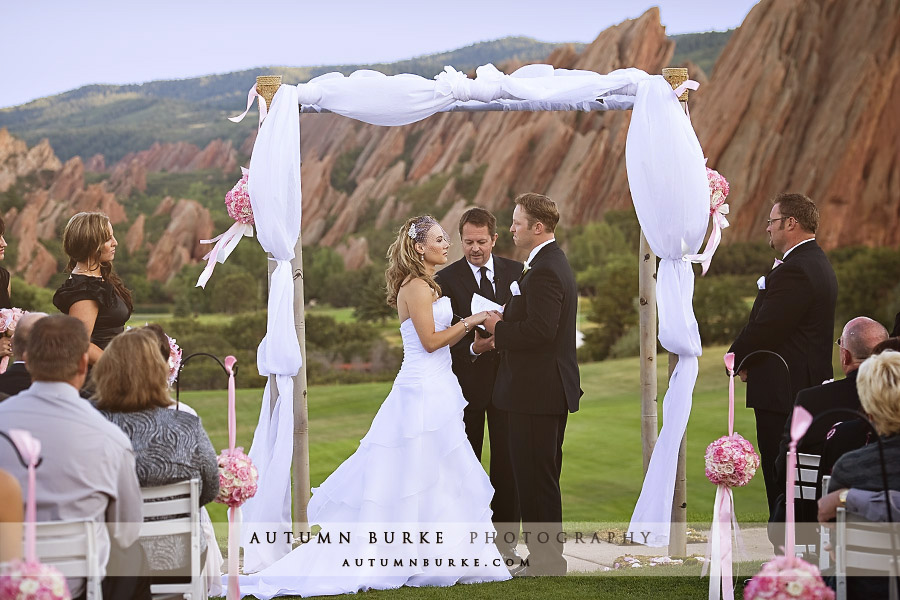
[
  {"x": 237, "y": 477},
  {"x": 237, "y": 201},
  {"x": 718, "y": 189},
  {"x": 788, "y": 578},
  {"x": 731, "y": 461},
  {"x": 24, "y": 580}
]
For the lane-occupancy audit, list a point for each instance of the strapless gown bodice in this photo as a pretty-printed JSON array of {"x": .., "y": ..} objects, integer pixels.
[{"x": 418, "y": 362}]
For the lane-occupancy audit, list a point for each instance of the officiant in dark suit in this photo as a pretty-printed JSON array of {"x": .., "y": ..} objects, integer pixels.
[
  {"x": 793, "y": 315},
  {"x": 538, "y": 383},
  {"x": 482, "y": 272}
]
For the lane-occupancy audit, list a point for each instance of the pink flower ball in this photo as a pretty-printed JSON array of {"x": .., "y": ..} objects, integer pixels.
[
  {"x": 237, "y": 201},
  {"x": 788, "y": 578},
  {"x": 731, "y": 461},
  {"x": 237, "y": 477},
  {"x": 33, "y": 581}
]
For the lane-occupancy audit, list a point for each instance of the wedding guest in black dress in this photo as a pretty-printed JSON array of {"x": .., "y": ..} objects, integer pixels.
[{"x": 93, "y": 293}]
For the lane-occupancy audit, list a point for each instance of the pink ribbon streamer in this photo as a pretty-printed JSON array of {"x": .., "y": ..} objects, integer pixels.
[
  {"x": 225, "y": 243},
  {"x": 800, "y": 422},
  {"x": 30, "y": 449},
  {"x": 262, "y": 106},
  {"x": 234, "y": 512}
]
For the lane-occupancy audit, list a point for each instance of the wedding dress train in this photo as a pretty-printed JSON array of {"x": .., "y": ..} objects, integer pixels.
[{"x": 410, "y": 507}]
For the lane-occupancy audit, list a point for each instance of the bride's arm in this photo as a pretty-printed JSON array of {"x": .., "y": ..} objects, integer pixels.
[{"x": 419, "y": 299}]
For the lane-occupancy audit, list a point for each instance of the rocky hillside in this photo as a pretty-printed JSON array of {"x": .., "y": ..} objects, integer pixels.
[
  {"x": 804, "y": 98},
  {"x": 800, "y": 99}
]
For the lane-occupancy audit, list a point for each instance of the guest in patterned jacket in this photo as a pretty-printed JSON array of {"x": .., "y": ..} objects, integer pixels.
[{"x": 169, "y": 445}]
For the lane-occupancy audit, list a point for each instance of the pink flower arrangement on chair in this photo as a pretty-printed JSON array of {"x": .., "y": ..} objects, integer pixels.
[
  {"x": 26, "y": 580},
  {"x": 731, "y": 460},
  {"x": 788, "y": 578}
]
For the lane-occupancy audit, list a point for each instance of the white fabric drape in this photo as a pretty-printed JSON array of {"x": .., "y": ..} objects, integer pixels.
[
  {"x": 667, "y": 177},
  {"x": 668, "y": 181},
  {"x": 275, "y": 197}
]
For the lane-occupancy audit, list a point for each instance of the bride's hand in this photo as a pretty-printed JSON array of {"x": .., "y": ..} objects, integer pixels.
[{"x": 477, "y": 318}]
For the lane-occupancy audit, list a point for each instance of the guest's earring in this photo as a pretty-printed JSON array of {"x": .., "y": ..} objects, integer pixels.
[{"x": 422, "y": 257}]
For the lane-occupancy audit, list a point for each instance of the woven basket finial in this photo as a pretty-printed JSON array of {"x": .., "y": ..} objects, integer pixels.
[
  {"x": 676, "y": 76},
  {"x": 266, "y": 86}
]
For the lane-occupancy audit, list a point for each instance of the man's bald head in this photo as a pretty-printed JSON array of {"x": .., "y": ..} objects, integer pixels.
[
  {"x": 23, "y": 330},
  {"x": 858, "y": 340}
]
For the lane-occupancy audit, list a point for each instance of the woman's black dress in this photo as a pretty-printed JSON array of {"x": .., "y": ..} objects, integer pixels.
[
  {"x": 5, "y": 302},
  {"x": 112, "y": 315}
]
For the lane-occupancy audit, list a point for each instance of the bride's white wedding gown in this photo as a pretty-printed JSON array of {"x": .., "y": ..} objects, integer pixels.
[{"x": 414, "y": 472}]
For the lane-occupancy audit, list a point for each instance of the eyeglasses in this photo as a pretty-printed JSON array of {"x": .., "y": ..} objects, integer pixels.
[
  {"x": 838, "y": 342},
  {"x": 770, "y": 221}
]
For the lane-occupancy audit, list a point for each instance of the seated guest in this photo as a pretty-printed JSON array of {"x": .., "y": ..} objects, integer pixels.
[
  {"x": 11, "y": 517},
  {"x": 865, "y": 504},
  {"x": 879, "y": 392},
  {"x": 169, "y": 446},
  {"x": 892, "y": 343},
  {"x": 16, "y": 377},
  {"x": 858, "y": 339},
  {"x": 88, "y": 464}
]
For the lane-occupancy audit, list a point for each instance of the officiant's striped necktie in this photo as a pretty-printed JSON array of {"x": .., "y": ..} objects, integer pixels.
[{"x": 485, "y": 287}]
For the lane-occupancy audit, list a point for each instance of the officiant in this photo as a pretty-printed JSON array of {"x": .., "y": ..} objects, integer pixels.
[{"x": 481, "y": 272}]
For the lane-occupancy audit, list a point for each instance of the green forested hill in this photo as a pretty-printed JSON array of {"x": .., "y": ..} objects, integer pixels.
[{"x": 114, "y": 120}]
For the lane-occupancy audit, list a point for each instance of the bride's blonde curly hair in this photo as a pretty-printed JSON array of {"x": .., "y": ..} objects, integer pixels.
[{"x": 404, "y": 263}]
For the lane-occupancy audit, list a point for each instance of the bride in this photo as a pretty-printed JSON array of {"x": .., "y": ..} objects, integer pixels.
[{"x": 411, "y": 505}]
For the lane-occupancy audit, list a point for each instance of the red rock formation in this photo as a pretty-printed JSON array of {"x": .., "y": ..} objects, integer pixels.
[
  {"x": 179, "y": 243},
  {"x": 804, "y": 98},
  {"x": 16, "y": 160},
  {"x": 127, "y": 177},
  {"x": 134, "y": 239},
  {"x": 180, "y": 157},
  {"x": 95, "y": 164}
]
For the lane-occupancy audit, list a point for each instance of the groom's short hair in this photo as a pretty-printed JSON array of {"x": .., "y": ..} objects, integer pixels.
[
  {"x": 479, "y": 217},
  {"x": 538, "y": 207}
]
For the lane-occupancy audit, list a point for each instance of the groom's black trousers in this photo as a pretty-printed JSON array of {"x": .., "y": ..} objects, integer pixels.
[{"x": 535, "y": 443}]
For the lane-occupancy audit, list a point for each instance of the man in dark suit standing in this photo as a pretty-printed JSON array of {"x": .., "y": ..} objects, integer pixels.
[
  {"x": 793, "y": 315},
  {"x": 16, "y": 378},
  {"x": 481, "y": 272},
  {"x": 538, "y": 382}
]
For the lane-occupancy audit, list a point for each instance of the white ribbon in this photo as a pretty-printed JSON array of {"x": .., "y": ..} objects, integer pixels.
[
  {"x": 225, "y": 243},
  {"x": 717, "y": 213}
]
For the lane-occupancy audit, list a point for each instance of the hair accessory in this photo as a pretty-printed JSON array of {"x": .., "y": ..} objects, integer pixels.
[{"x": 412, "y": 231}]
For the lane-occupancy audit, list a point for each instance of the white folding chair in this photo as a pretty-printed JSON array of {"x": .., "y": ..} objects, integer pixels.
[
  {"x": 824, "y": 532},
  {"x": 175, "y": 509},
  {"x": 806, "y": 476},
  {"x": 863, "y": 546},
  {"x": 71, "y": 547}
]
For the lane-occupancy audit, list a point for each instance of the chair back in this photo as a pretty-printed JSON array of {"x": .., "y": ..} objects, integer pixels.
[
  {"x": 806, "y": 475},
  {"x": 175, "y": 510},
  {"x": 71, "y": 547},
  {"x": 864, "y": 548}
]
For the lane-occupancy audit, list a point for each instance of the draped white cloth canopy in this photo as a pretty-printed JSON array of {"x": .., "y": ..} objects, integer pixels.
[{"x": 667, "y": 175}]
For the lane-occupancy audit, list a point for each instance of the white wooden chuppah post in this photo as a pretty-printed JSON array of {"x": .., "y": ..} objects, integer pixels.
[
  {"x": 668, "y": 184},
  {"x": 266, "y": 86}
]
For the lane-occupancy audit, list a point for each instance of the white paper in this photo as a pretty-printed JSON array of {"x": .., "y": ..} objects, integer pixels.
[{"x": 480, "y": 303}]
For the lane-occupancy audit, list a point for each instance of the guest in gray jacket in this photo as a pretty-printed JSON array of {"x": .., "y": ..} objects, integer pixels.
[{"x": 169, "y": 445}]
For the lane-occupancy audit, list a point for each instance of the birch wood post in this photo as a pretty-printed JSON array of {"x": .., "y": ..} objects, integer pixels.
[
  {"x": 678, "y": 527},
  {"x": 647, "y": 315},
  {"x": 266, "y": 86}
]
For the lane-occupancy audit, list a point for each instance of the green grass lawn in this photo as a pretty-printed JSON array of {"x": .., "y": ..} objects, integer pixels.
[{"x": 602, "y": 466}]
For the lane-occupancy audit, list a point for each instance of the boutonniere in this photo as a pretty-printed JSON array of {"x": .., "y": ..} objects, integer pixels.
[{"x": 525, "y": 269}]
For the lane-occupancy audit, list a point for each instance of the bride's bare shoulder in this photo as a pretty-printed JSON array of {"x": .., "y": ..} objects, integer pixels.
[{"x": 416, "y": 288}]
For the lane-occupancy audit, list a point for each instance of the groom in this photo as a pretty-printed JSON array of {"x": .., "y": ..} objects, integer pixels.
[{"x": 538, "y": 382}]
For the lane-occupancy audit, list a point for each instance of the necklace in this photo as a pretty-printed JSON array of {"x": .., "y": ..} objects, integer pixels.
[{"x": 78, "y": 270}]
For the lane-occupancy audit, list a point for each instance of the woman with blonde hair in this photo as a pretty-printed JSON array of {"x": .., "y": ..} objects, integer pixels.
[
  {"x": 413, "y": 469},
  {"x": 93, "y": 293},
  {"x": 169, "y": 445}
]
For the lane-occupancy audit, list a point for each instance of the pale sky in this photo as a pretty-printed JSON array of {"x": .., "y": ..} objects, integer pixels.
[{"x": 52, "y": 46}]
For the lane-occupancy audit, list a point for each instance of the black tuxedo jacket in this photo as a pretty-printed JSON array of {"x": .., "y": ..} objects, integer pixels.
[
  {"x": 793, "y": 316},
  {"x": 836, "y": 394},
  {"x": 457, "y": 281},
  {"x": 15, "y": 379},
  {"x": 538, "y": 370}
]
